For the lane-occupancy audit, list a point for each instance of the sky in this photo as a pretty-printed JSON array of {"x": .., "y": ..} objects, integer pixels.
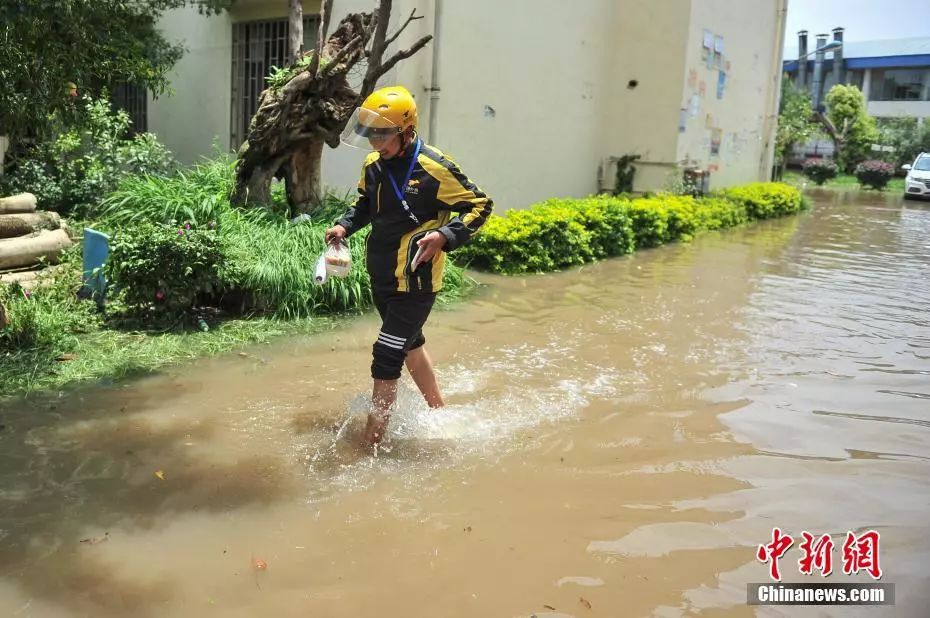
[{"x": 864, "y": 20}]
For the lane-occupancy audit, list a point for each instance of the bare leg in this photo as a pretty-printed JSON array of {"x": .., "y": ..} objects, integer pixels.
[
  {"x": 421, "y": 370},
  {"x": 383, "y": 396}
]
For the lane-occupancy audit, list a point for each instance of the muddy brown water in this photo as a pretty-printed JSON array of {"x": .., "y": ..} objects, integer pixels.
[{"x": 620, "y": 439}]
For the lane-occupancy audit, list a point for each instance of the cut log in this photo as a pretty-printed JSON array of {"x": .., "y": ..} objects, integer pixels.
[
  {"x": 19, "y": 277},
  {"x": 27, "y": 223},
  {"x": 23, "y": 202},
  {"x": 27, "y": 250}
]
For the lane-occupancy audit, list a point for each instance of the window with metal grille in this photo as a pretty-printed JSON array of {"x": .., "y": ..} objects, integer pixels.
[
  {"x": 133, "y": 99},
  {"x": 256, "y": 47}
]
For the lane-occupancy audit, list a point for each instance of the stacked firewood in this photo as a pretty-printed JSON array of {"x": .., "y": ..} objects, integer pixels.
[{"x": 30, "y": 241}]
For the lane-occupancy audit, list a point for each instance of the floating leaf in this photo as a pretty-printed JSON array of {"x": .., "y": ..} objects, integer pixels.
[
  {"x": 97, "y": 539},
  {"x": 160, "y": 474}
]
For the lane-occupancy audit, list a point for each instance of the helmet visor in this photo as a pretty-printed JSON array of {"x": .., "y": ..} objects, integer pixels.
[{"x": 367, "y": 129}]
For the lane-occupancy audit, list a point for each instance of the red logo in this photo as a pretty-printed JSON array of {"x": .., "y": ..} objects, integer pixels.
[
  {"x": 773, "y": 551},
  {"x": 860, "y": 553},
  {"x": 817, "y": 554}
]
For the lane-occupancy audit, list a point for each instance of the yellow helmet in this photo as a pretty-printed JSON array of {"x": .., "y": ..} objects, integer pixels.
[
  {"x": 386, "y": 112},
  {"x": 395, "y": 104}
]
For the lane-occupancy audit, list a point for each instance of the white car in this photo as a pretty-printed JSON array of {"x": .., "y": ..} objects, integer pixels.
[{"x": 917, "y": 182}]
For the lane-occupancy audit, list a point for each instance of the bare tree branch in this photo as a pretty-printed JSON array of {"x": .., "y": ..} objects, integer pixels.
[
  {"x": 835, "y": 133},
  {"x": 406, "y": 23},
  {"x": 325, "y": 11},
  {"x": 401, "y": 55},
  {"x": 350, "y": 47},
  {"x": 296, "y": 27},
  {"x": 382, "y": 17}
]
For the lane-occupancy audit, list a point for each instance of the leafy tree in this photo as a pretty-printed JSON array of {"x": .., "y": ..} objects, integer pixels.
[
  {"x": 51, "y": 50},
  {"x": 795, "y": 122},
  {"x": 849, "y": 125}
]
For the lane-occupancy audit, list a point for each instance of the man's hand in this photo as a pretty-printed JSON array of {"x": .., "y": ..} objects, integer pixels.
[
  {"x": 430, "y": 245},
  {"x": 337, "y": 232}
]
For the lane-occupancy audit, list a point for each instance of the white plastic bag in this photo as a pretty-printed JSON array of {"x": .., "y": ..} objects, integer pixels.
[
  {"x": 319, "y": 271},
  {"x": 338, "y": 259}
]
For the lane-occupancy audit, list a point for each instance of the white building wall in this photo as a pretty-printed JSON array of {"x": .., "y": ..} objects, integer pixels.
[
  {"x": 534, "y": 97},
  {"x": 743, "y": 112}
]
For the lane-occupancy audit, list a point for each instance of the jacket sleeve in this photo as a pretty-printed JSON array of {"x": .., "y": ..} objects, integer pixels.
[
  {"x": 359, "y": 215},
  {"x": 464, "y": 197}
]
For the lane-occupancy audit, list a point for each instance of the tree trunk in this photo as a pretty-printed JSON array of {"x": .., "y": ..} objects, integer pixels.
[
  {"x": 20, "y": 252},
  {"x": 3, "y": 319},
  {"x": 27, "y": 223},
  {"x": 253, "y": 182},
  {"x": 295, "y": 120},
  {"x": 296, "y": 18},
  {"x": 304, "y": 177},
  {"x": 24, "y": 202}
]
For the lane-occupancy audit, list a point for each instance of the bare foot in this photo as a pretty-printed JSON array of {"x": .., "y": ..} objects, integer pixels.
[{"x": 377, "y": 425}]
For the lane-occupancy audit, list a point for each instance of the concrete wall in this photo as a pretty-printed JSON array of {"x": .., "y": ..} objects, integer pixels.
[
  {"x": 196, "y": 115},
  {"x": 745, "y": 114},
  {"x": 522, "y": 95},
  {"x": 899, "y": 109},
  {"x": 649, "y": 42}
]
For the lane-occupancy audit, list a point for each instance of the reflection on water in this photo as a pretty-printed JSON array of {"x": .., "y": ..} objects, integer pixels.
[{"x": 618, "y": 440}]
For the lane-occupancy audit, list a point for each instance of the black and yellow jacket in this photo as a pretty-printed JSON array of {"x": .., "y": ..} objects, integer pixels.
[{"x": 441, "y": 198}]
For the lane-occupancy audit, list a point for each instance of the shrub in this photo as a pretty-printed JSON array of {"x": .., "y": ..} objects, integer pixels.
[
  {"x": 764, "y": 200},
  {"x": 820, "y": 170},
  {"x": 72, "y": 173},
  {"x": 162, "y": 269},
  {"x": 565, "y": 232},
  {"x": 198, "y": 195},
  {"x": 714, "y": 213},
  {"x": 875, "y": 174}
]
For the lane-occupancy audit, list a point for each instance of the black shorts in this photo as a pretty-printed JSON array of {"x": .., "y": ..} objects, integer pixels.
[{"x": 403, "y": 315}]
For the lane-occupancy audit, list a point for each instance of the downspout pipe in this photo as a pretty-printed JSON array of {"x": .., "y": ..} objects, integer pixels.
[
  {"x": 770, "y": 122},
  {"x": 434, "y": 90}
]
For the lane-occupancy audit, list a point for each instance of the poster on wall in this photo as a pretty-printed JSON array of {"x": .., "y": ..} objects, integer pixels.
[
  {"x": 708, "y": 39},
  {"x": 721, "y": 83},
  {"x": 692, "y": 78},
  {"x": 695, "y": 108},
  {"x": 718, "y": 44},
  {"x": 715, "y": 137},
  {"x": 683, "y": 120}
]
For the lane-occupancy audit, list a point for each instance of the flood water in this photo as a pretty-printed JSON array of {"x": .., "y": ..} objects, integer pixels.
[{"x": 619, "y": 439}]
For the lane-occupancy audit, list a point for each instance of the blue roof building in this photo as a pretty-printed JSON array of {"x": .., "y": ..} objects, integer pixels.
[{"x": 893, "y": 74}]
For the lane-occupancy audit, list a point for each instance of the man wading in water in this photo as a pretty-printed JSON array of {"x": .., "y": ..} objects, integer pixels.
[{"x": 420, "y": 206}]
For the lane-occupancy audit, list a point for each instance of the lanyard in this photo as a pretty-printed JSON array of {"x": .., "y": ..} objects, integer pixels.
[{"x": 398, "y": 192}]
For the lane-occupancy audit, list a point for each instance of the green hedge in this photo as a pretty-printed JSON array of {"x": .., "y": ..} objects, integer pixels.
[{"x": 560, "y": 233}]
